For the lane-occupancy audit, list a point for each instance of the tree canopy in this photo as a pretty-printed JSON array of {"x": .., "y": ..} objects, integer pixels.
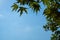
[{"x": 51, "y": 12}]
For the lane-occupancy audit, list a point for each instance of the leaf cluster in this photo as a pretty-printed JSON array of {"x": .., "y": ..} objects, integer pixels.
[
  {"x": 52, "y": 13},
  {"x": 19, "y": 6}
]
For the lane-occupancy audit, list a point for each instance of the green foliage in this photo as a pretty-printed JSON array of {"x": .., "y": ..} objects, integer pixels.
[
  {"x": 19, "y": 5},
  {"x": 35, "y": 6},
  {"x": 15, "y": 7},
  {"x": 51, "y": 12},
  {"x": 21, "y": 9},
  {"x": 56, "y": 35}
]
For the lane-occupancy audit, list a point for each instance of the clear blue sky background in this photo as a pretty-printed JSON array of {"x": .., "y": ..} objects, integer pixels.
[{"x": 25, "y": 27}]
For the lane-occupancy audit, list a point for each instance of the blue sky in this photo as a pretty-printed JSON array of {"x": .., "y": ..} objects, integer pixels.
[{"x": 25, "y": 27}]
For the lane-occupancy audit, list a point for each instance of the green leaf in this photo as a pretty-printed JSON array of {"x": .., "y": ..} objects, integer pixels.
[
  {"x": 21, "y": 10},
  {"x": 15, "y": 7},
  {"x": 35, "y": 6}
]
